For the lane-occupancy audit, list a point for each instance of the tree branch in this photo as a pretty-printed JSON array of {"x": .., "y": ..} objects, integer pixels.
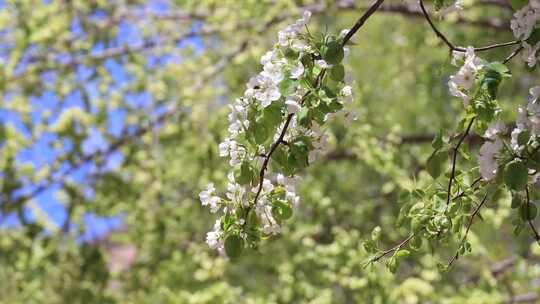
[
  {"x": 450, "y": 45},
  {"x": 531, "y": 225},
  {"x": 454, "y": 158},
  {"x": 391, "y": 250},
  {"x": 469, "y": 224}
]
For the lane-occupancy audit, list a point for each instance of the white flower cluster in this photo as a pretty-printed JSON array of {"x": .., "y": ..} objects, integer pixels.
[
  {"x": 490, "y": 150},
  {"x": 262, "y": 91},
  {"x": 463, "y": 80},
  {"x": 528, "y": 119},
  {"x": 523, "y": 24}
]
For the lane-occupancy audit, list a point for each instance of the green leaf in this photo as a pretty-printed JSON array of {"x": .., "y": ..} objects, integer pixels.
[
  {"x": 370, "y": 246},
  {"x": 272, "y": 115},
  {"x": 286, "y": 85},
  {"x": 516, "y": 175},
  {"x": 333, "y": 54},
  {"x": 337, "y": 72},
  {"x": 498, "y": 67},
  {"x": 245, "y": 174},
  {"x": 415, "y": 243},
  {"x": 303, "y": 117},
  {"x": 298, "y": 154},
  {"x": 528, "y": 212},
  {"x": 438, "y": 142},
  {"x": 402, "y": 253},
  {"x": 281, "y": 210},
  {"x": 516, "y": 201},
  {"x": 435, "y": 163},
  {"x": 534, "y": 38},
  {"x": 523, "y": 137},
  {"x": 252, "y": 219},
  {"x": 234, "y": 246},
  {"x": 518, "y": 4},
  {"x": 226, "y": 221},
  {"x": 392, "y": 265},
  {"x": 376, "y": 233}
]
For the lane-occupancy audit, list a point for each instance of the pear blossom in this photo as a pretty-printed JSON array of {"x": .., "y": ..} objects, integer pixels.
[
  {"x": 292, "y": 106},
  {"x": 323, "y": 64},
  {"x": 224, "y": 147},
  {"x": 208, "y": 198},
  {"x": 346, "y": 90},
  {"x": 464, "y": 78},
  {"x": 534, "y": 92},
  {"x": 495, "y": 129},
  {"x": 528, "y": 119},
  {"x": 343, "y": 33},
  {"x": 264, "y": 89},
  {"x": 488, "y": 158},
  {"x": 525, "y": 20},
  {"x": 213, "y": 238},
  {"x": 297, "y": 70},
  {"x": 529, "y": 55}
]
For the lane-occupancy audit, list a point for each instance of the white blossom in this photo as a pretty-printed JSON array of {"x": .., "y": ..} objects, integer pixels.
[
  {"x": 208, "y": 198},
  {"x": 346, "y": 91},
  {"x": 213, "y": 237},
  {"x": 224, "y": 147},
  {"x": 530, "y": 53},
  {"x": 495, "y": 129},
  {"x": 534, "y": 92},
  {"x": 297, "y": 70},
  {"x": 524, "y": 21},
  {"x": 264, "y": 89},
  {"x": 464, "y": 78},
  {"x": 343, "y": 33},
  {"x": 323, "y": 64},
  {"x": 292, "y": 106},
  {"x": 488, "y": 158}
]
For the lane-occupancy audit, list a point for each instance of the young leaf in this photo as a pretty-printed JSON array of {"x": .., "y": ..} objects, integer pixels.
[
  {"x": 234, "y": 245},
  {"x": 516, "y": 175},
  {"x": 333, "y": 53},
  {"x": 435, "y": 163},
  {"x": 337, "y": 72}
]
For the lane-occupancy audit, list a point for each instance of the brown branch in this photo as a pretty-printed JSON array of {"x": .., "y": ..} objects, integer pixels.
[
  {"x": 362, "y": 20},
  {"x": 469, "y": 224},
  {"x": 391, "y": 250},
  {"x": 531, "y": 225},
  {"x": 409, "y": 11},
  {"x": 454, "y": 158},
  {"x": 513, "y": 54},
  {"x": 450, "y": 45}
]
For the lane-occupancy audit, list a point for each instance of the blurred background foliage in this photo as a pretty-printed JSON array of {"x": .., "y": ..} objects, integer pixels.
[{"x": 113, "y": 110}]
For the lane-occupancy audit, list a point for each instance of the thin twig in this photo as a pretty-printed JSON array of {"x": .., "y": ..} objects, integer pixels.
[
  {"x": 450, "y": 45},
  {"x": 391, "y": 250},
  {"x": 469, "y": 224},
  {"x": 454, "y": 158},
  {"x": 463, "y": 193},
  {"x": 529, "y": 220},
  {"x": 513, "y": 54},
  {"x": 362, "y": 20}
]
